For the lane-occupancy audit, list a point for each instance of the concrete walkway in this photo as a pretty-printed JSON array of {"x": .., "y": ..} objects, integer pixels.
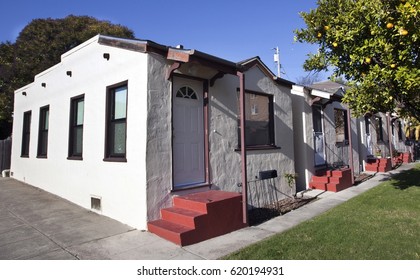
[{"x": 35, "y": 224}]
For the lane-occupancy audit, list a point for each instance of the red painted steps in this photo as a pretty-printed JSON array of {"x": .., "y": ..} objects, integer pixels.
[
  {"x": 199, "y": 216},
  {"x": 378, "y": 165},
  {"x": 332, "y": 180}
]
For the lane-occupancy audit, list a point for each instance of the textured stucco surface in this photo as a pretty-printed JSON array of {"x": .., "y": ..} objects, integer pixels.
[{"x": 225, "y": 162}]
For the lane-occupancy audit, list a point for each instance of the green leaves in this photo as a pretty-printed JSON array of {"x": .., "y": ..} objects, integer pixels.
[{"x": 375, "y": 44}]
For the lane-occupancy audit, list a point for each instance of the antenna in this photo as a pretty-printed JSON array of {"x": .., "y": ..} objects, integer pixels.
[{"x": 277, "y": 60}]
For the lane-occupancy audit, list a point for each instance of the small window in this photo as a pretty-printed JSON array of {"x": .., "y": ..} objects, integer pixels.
[
  {"x": 116, "y": 127},
  {"x": 77, "y": 108},
  {"x": 43, "y": 131},
  {"x": 254, "y": 109},
  {"x": 186, "y": 92},
  {"x": 259, "y": 120},
  {"x": 26, "y": 133},
  {"x": 341, "y": 126}
]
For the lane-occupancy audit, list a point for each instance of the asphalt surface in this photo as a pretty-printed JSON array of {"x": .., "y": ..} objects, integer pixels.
[{"x": 35, "y": 224}]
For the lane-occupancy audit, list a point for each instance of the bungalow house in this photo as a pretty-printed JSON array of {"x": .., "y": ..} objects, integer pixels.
[
  {"x": 384, "y": 138},
  {"x": 326, "y": 138},
  {"x": 150, "y": 135}
]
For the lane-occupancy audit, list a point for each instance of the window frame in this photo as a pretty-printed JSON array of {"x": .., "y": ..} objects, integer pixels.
[
  {"x": 110, "y": 155},
  {"x": 43, "y": 129},
  {"x": 271, "y": 144},
  {"x": 73, "y": 125},
  {"x": 345, "y": 141},
  {"x": 26, "y": 134},
  {"x": 379, "y": 130}
]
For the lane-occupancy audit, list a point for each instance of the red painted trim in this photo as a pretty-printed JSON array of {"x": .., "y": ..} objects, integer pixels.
[
  {"x": 388, "y": 120},
  {"x": 244, "y": 176},
  {"x": 351, "y": 163},
  {"x": 206, "y": 131}
]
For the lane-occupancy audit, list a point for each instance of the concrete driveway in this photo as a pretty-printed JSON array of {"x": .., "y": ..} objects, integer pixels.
[{"x": 35, "y": 224}]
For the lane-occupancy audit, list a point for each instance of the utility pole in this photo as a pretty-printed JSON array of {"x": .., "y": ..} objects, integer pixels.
[{"x": 277, "y": 60}]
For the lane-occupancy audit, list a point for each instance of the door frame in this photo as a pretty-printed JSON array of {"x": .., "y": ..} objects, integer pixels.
[{"x": 205, "y": 104}]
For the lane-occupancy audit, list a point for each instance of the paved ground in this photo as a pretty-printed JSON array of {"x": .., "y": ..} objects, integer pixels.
[{"x": 37, "y": 225}]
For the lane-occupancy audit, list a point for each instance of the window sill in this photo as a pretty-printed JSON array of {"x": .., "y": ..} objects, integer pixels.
[
  {"x": 75, "y": 158},
  {"x": 41, "y": 157},
  {"x": 115, "y": 159},
  {"x": 24, "y": 156},
  {"x": 191, "y": 187},
  {"x": 259, "y": 148}
]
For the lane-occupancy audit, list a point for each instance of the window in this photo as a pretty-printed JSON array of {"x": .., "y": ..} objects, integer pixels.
[
  {"x": 317, "y": 118},
  {"x": 259, "y": 120},
  {"x": 367, "y": 125},
  {"x": 43, "y": 131},
  {"x": 115, "y": 146},
  {"x": 379, "y": 130},
  {"x": 77, "y": 109},
  {"x": 186, "y": 92},
  {"x": 26, "y": 132},
  {"x": 341, "y": 126}
]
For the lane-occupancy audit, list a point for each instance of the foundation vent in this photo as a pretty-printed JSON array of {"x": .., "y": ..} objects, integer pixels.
[{"x": 95, "y": 203}]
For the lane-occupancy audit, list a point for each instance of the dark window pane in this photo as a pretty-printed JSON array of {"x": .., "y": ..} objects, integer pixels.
[
  {"x": 26, "y": 133},
  {"x": 43, "y": 131},
  {"x": 259, "y": 120}
]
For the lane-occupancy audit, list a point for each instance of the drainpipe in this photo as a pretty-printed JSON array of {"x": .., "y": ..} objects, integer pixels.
[
  {"x": 244, "y": 176},
  {"x": 351, "y": 163},
  {"x": 388, "y": 120}
]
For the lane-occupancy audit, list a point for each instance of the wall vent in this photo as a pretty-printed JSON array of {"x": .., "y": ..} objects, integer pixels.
[{"x": 95, "y": 203}]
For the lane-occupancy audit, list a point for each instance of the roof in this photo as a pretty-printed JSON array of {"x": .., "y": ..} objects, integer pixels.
[
  {"x": 176, "y": 54},
  {"x": 256, "y": 61},
  {"x": 329, "y": 86}
]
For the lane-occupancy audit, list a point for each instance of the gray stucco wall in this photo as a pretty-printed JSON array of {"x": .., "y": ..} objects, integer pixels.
[
  {"x": 159, "y": 143},
  {"x": 225, "y": 162}
]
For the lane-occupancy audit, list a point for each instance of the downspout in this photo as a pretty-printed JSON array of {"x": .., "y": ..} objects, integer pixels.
[
  {"x": 244, "y": 176},
  {"x": 388, "y": 120},
  {"x": 350, "y": 145}
]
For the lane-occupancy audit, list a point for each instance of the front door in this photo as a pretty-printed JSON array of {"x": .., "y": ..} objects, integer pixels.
[
  {"x": 188, "y": 133},
  {"x": 319, "y": 148}
]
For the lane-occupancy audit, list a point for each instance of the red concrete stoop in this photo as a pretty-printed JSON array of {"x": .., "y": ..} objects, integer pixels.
[
  {"x": 378, "y": 165},
  {"x": 199, "y": 216},
  {"x": 332, "y": 180}
]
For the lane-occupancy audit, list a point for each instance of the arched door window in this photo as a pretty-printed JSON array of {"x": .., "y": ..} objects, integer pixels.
[{"x": 186, "y": 92}]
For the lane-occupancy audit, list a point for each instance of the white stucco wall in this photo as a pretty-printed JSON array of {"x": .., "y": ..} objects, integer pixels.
[
  {"x": 304, "y": 137},
  {"x": 120, "y": 185}
]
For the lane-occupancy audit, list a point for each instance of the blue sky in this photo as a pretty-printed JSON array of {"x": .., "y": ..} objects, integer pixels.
[{"x": 233, "y": 30}]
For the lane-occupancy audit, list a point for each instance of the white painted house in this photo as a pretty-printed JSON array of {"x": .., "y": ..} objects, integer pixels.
[
  {"x": 326, "y": 137},
  {"x": 122, "y": 126}
]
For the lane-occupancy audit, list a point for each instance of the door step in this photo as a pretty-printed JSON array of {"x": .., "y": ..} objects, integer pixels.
[
  {"x": 199, "y": 216},
  {"x": 332, "y": 180}
]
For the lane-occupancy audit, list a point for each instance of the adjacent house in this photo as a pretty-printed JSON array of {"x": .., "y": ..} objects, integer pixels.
[
  {"x": 332, "y": 147},
  {"x": 150, "y": 135},
  {"x": 326, "y": 137}
]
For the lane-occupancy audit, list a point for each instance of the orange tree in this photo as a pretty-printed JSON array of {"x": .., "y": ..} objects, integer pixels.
[{"x": 375, "y": 45}]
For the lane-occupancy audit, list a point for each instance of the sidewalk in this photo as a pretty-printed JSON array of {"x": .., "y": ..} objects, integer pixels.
[{"x": 35, "y": 224}]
